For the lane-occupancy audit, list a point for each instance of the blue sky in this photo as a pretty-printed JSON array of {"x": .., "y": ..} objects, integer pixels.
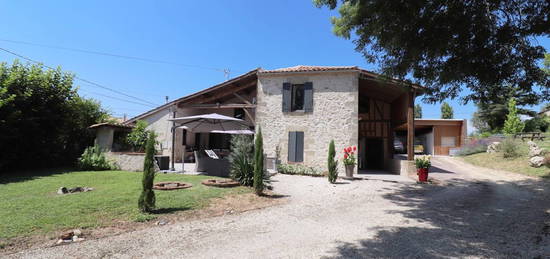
[{"x": 204, "y": 37}]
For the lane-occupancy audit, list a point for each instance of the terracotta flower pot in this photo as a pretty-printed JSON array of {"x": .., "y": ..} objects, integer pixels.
[
  {"x": 349, "y": 170},
  {"x": 422, "y": 174}
]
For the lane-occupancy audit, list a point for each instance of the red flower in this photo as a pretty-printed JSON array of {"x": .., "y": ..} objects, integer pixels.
[
  {"x": 345, "y": 156},
  {"x": 354, "y": 148}
]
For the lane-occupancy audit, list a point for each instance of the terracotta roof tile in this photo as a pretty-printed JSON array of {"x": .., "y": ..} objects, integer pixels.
[
  {"x": 111, "y": 124},
  {"x": 302, "y": 68}
]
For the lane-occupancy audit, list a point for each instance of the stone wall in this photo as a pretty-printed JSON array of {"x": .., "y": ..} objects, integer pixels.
[
  {"x": 129, "y": 161},
  {"x": 334, "y": 116}
]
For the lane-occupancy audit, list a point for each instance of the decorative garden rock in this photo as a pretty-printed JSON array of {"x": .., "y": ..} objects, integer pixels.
[
  {"x": 536, "y": 161},
  {"x": 493, "y": 147},
  {"x": 531, "y": 144},
  {"x": 536, "y": 151},
  {"x": 164, "y": 186},
  {"x": 62, "y": 190},
  {"x": 71, "y": 236},
  {"x": 220, "y": 182}
]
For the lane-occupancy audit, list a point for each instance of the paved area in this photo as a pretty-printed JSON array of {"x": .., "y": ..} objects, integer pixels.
[{"x": 473, "y": 212}]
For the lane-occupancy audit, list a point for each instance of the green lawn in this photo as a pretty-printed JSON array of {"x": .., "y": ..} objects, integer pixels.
[
  {"x": 518, "y": 165},
  {"x": 30, "y": 207}
]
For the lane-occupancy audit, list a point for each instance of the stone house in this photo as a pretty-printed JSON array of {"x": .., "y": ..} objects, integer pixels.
[{"x": 300, "y": 110}]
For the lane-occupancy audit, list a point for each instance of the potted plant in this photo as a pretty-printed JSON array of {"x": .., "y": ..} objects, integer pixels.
[
  {"x": 422, "y": 164},
  {"x": 349, "y": 160}
]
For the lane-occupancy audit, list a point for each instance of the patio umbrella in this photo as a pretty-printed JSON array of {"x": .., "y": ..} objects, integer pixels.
[
  {"x": 233, "y": 132},
  {"x": 211, "y": 122}
]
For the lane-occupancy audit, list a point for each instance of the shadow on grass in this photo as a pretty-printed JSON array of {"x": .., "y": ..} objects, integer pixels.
[
  {"x": 26, "y": 175},
  {"x": 479, "y": 219}
]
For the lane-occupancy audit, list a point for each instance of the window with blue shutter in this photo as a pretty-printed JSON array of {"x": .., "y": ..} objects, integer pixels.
[
  {"x": 308, "y": 97},
  {"x": 296, "y": 146}
]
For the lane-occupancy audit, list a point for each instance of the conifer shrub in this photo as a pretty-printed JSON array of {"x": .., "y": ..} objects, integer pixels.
[
  {"x": 332, "y": 164},
  {"x": 260, "y": 178},
  {"x": 146, "y": 201}
]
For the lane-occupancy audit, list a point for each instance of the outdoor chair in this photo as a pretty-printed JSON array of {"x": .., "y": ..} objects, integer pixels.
[{"x": 209, "y": 165}]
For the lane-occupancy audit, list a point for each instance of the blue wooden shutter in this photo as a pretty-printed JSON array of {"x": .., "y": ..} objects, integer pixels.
[
  {"x": 287, "y": 97},
  {"x": 299, "y": 147},
  {"x": 308, "y": 97},
  {"x": 292, "y": 146}
]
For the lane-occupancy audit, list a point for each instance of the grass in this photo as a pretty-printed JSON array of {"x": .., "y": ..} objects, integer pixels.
[
  {"x": 31, "y": 207},
  {"x": 517, "y": 165}
]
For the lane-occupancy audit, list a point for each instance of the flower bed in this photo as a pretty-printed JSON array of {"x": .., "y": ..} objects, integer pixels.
[
  {"x": 164, "y": 186},
  {"x": 220, "y": 183}
]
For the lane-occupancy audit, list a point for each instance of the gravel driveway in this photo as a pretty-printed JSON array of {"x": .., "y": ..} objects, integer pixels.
[{"x": 473, "y": 212}]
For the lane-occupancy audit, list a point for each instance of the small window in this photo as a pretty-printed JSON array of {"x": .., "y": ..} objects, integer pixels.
[
  {"x": 295, "y": 146},
  {"x": 448, "y": 141},
  {"x": 297, "y": 97}
]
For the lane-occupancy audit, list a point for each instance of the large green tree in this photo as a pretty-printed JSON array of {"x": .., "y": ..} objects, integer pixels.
[
  {"x": 491, "y": 114},
  {"x": 43, "y": 121},
  {"x": 513, "y": 124},
  {"x": 451, "y": 45}
]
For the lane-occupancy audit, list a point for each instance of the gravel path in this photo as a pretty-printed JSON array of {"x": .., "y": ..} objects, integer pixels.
[{"x": 474, "y": 212}]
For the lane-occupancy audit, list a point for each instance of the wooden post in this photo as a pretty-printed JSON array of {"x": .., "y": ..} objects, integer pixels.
[
  {"x": 410, "y": 126},
  {"x": 172, "y": 158}
]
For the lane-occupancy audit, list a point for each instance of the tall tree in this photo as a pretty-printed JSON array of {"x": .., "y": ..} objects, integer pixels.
[
  {"x": 446, "y": 111},
  {"x": 492, "y": 113},
  {"x": 42, "y": 117},
  {"x": 451, "y": 45},
  {"x": 417, "y": 111},
  {"x": 513, "y": 124},
  {"x": 146, "y": 202}
]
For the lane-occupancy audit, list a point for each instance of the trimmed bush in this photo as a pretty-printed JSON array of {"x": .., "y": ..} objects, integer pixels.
[
  {"x": 241, "y": 158},
  {"x": 298, "y": 169},
  {"x": 94, "y": 159},
  {"x": 509, "y": 148},
  {"x": 332, "y": 164},
  {"x": 146, "y": 201}
]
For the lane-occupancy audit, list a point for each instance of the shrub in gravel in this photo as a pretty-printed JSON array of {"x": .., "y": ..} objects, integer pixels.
[
  {"x": 146, "y": 201},
  {"x": 332, "y": 164},
  {"x": 241, "y": 158},
  {"x": 298, "y": 170},
  {"x": 509, "y": 148}
]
